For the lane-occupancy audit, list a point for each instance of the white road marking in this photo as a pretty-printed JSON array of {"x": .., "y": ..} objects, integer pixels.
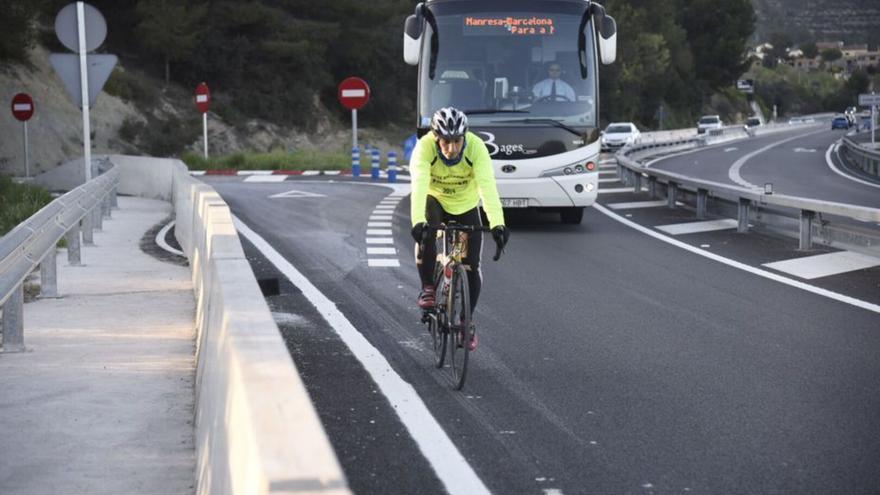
[
  {"x": 804, "y": 150},
  {"x": 615, "y": 190},
  {"x": 385, "y": 208},
  {"x": 380, "y": 240},
  {"x": 160, "y": 240},
  {"x": 297, "y": 194},
  {"x": 379, "y": 232},
  {"x": 392, "y": 262},
  {"x": 451, "y": 467},
  {"x": 728, "y": 150},
  {"x": 638, "y": 204},
  {"x": 381, "y": 217},
  {"x": 695, "y": 227},
  {"x": 265, "y": 178},
  {"x": 836, "y": 147},
  {"x": 378, "y": 224},
  {"x": 381, "y": 250},
  {"x": 734, "y": 172},
  {"x": 875, "y": 308},
  {"x": 824, "y": 265}
]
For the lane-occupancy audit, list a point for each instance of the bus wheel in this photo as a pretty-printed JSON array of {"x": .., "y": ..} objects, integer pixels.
[{"x": 572, "y": 215}]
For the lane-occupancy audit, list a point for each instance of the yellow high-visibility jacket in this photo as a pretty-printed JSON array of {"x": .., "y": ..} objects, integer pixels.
[{"x": 458, "y": 187}]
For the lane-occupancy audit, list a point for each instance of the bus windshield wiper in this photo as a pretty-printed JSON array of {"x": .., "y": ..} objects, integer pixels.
[
  {"x": 553, "y": 122},
  {"x": 491, "y": 110}
]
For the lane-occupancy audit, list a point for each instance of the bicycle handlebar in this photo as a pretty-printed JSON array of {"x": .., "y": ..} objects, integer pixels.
[{"x": 459, "y": 227}]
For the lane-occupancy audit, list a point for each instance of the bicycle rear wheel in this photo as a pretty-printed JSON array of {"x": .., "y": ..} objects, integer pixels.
[{"x": 458, "y": 317}]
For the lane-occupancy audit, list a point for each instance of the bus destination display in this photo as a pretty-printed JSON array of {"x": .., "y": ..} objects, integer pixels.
[{"x": 516, "y": 25}]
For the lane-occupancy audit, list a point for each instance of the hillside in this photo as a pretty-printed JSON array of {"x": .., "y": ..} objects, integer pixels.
[
  {"x": 853, "y": 21},
  {"x": 120, "y": 125}
]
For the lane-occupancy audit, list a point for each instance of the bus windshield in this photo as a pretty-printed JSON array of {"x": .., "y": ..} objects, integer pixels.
[{"x": 515, "y": 65}]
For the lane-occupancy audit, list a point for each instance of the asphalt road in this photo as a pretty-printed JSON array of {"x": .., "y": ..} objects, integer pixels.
[
  {"x": 609, "y": 361},
  {"x": 794, "y": 162}
]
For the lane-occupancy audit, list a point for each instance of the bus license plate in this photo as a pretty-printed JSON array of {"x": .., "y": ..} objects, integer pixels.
[{"x": 515, "y": 202}]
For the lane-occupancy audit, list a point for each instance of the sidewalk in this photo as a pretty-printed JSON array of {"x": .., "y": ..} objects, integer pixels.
[{"x": 102, "y": 401}]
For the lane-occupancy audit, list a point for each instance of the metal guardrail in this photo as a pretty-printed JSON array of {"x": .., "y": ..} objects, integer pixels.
[
  {"x": 864, "y": 158},
  {"x": 33, "y": 243},
  {"x": 632, "y": 172}
]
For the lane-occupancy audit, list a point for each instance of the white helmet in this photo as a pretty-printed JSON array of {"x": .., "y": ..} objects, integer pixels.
[{"x": 449, "y": 123}]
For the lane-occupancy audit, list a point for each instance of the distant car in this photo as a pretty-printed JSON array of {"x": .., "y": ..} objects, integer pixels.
[
  {"x": 839, "y": 122},
  {"x": 796, "y": 120},
  {"x": 619, "y": 134},
  {"x": 709, "y": 122},
  {"x": 753, "y": 122}
]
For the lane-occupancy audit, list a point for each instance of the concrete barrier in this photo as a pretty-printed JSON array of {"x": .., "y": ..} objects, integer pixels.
[{"x": 256, "y": 429}]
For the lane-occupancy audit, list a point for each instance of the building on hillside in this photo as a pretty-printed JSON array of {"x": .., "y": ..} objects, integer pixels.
[
  {"x": 865, "y": 61},
  {"x": 829, "y": 45},
  {"x": 805, "y": 64}
]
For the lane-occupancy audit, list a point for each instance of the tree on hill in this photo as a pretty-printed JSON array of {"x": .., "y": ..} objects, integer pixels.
[
  {"x": 17, "y": 30},
  {"x": 717, "y": 31},
  {"x": 831, "y": 54},
  {"x": 810, "y": 50},
  {"x": 170, "y": 29}
]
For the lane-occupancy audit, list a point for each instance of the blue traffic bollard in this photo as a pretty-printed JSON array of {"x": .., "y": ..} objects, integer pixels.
[
  {"x": 377, "y": 157},
  {"x": 392, "y": 166},
  {"x": 356, "y": 162}
]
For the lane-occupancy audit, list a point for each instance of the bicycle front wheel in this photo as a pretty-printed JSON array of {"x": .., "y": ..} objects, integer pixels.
[{"x": 458, "y": 317}]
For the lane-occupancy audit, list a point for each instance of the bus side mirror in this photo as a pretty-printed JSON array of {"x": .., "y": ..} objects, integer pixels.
[
  {"x": 606, "y": 28},
  {"x": 412, "y": 41},
  {"x": 608, "y": 40},
  {"x": 412, "y": 36}
]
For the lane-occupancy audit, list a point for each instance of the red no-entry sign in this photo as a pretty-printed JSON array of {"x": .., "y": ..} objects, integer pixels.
[
  {"x": 203, "y": 97},
  {"x": 22, "y": 107},
  {"x": 354, "y": 93}
]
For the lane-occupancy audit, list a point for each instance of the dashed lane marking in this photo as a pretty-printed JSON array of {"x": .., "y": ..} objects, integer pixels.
[
  {"x": 824, "y": 265},
  {"x": 695, "y": 227},
  {"x": 383, "y": 262},
  {"x": 618, "y": 190},
  {"x": 380, "y": 240},
  {"x": 637, "y": 204},
  {"x": 381, "y": 250}
]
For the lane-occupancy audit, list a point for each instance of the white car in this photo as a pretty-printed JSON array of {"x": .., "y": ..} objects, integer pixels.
[
  {"x": 620, "y": 134},
  {"x": 709, "y": 122}
]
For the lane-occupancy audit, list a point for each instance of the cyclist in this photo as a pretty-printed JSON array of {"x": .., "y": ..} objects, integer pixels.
[{"x": 451, "y": 172}]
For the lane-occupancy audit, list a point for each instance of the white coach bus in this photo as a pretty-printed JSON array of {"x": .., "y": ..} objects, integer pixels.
[{"x": 526, "y": 74}]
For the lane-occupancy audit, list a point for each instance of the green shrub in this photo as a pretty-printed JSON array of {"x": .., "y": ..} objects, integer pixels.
[
  {"x": 132, "y": 88},
  {"x": 18, "y": 202}
]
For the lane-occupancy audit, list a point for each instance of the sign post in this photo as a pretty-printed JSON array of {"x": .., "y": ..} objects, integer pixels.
[
  {"x": 81, "y": 28},
  {"x": 871, "y": 100},
  {"x": 353, "y": 93},
  {"x": 23, "y": 110},
  {"x": 203, "y": 103}
]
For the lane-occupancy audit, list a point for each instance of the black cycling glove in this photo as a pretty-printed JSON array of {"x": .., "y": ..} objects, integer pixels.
[
  {"x": 501, "y": 235},
  {"x": 418, "y": 231}
]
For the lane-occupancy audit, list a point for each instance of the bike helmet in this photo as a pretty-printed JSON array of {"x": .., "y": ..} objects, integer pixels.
[{"x": 449, "y": 123}]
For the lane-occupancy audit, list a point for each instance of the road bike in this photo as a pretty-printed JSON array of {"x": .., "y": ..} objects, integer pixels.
[{"x": 449, "y": 321}]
